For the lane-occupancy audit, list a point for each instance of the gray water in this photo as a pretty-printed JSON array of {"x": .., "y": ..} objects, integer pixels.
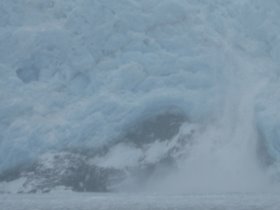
[{"x": 73, "y": 201}]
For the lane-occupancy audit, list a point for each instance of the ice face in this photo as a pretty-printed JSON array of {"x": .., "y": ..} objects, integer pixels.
[{"x": 80, "y": 73}]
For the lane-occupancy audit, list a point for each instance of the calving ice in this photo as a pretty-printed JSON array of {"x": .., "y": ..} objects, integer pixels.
[{"x": 177, "y": 96}]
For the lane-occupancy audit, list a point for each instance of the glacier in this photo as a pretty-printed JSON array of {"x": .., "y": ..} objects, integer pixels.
[{"x": 84, "y": 75}]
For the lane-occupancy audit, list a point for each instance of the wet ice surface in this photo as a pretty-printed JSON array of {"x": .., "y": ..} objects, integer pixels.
[{"x": 87, "y": 201}]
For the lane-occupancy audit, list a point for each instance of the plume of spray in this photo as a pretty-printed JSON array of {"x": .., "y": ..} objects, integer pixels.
[{"x": 224, "y": 157}]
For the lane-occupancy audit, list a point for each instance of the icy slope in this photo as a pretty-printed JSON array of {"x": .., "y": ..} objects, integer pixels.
[{"x": 78, "y": 74}]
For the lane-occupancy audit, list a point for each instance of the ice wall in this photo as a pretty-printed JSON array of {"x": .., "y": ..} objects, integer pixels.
[{"x": 78, "y": 73}]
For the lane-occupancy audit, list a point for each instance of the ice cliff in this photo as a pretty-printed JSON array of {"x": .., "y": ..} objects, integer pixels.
[{"x": 136, "y": 84}]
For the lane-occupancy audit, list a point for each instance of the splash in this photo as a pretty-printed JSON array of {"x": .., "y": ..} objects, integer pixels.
[{"x": 224, "y": 157}]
